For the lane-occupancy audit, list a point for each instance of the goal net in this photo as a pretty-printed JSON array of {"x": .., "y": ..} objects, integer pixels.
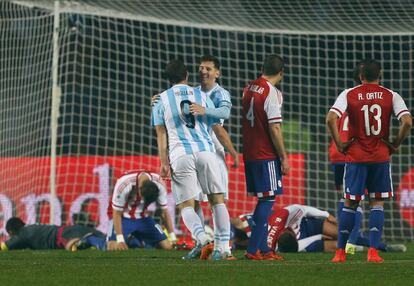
[{"x": 69, "y": 127}]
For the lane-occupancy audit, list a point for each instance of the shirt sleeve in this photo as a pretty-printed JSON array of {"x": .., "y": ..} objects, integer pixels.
[
  {"x": 222, "y": 112},
  {"x": 162, "y": 196},
  {"x": 157, "y": 117},
  {"x": 341, "y": 104},
  {"x": 272, "y": 107},
  {"x": 314, "y": 212},
  {"x": 399, "y": 106},
  {"x": 120, "y": 195}
]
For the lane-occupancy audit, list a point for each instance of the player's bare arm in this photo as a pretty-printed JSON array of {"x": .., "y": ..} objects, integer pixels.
[
  {"x": 120, "y": 242},
  {"x": 342, "y": 147},
  {"x": 166, "y": 219},
  {"x": 163, "y": 150},
  {"x": 276, "y": 135},
  {"x": 225, "y": 140},
  {"x": 405, "y": 127}
]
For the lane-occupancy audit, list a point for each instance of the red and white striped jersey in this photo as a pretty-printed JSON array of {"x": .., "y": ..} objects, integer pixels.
[
  {"x": 262, "y": 104},
  {"x": 290, "y": 217},
  {"x": 126, "y": 198},
  {"x": 369, "y": 107}
]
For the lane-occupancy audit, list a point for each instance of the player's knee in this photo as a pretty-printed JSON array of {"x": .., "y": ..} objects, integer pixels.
[
  {"x": 215, "y": 199},
  {"x": 353, "y": 204}
]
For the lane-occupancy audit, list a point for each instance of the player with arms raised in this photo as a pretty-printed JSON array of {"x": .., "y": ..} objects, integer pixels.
[
  {"x": 369, "y": 107},
  {"x": 264, "y": 152}
]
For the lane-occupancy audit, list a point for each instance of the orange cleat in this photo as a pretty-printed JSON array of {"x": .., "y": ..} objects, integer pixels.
[
  {"x": 256, "y": 256},
  {"x": 340, "y": 256},
  {"x": 206, "y": 251},
  {"x": 271, "y": 255},
  {"x": 373, "y": 256}
]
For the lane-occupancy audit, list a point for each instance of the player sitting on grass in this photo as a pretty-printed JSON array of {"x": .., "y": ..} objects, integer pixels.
[{"x": 41, "y": 236}]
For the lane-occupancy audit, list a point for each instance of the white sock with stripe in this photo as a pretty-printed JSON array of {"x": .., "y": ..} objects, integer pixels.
[
  {"x": 221, "y": 227},
  {"x": 193, "y": 224}
]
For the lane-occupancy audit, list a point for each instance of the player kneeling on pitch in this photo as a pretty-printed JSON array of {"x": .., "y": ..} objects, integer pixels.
[
  {"x": 131, "y": 227},
  {"x": 42, "y": 236}
]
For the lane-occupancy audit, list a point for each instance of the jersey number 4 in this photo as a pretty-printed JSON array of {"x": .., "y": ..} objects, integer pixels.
[
  {"x": 250, "y": 114},
  {"x": 377, "y": 111}
]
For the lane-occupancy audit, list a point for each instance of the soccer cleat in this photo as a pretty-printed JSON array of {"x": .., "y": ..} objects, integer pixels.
[
  {"x": 206, "y": 251},
  {"x": 373, "y": 256},
  {"x": 194, "y": 253},
  {"x": 271, "y": 255},
  {"x": 256, "y": 256},
  {"x": 396, "y": 248},
  {"x": 352, "y": 248},
  {"x": 217, "y": 255},
  {"x": 340, "y": 256}
]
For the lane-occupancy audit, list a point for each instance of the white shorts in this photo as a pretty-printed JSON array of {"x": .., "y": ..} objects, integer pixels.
[
  {"x": 224, "y": 179},
  {"x": 194, "y": 172}
]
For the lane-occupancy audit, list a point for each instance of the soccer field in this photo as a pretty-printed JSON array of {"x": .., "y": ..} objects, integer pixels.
[{"x": 156, "y": 267}]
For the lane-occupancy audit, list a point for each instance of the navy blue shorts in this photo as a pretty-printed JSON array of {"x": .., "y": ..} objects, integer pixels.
[
  {"x": 263, "y": 178},
  {"x": 311, "y": 226},
  {"x": 375, "y": 177},
  {"x": 144, "y": 229},
  {"x": 338, "y": 169}
]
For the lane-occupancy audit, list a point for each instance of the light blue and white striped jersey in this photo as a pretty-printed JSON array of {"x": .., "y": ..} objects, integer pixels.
[
  {"x": 220, "y": 97},
  {"x": 187, "y": 134}
]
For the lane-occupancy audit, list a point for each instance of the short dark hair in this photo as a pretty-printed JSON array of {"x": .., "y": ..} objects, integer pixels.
[
  {"x": 210, "y": 58},
  {"x": 149, "y": 192},
  {"x": 370, "y": 70},
  {"x": 175, "y": 71},
  {"x": 287, "y": 242},
  {"x": 272, "y": 65},
  {"x": 14, "y": 225}
]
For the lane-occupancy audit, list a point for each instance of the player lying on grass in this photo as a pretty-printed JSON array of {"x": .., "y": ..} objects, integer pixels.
[
  {"x": 298, "y": 228},
  {"x": 42, "y": 236},
  {"x": 130, "y": 225}
]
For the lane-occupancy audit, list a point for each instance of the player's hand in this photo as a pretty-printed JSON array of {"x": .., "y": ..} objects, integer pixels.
[
  {"x": 165, "y": 171},
  {"x": 154, "y": 99},
  {"x": 197, "y": 109},
  {"x": 236, "y": 161},
  {"x": 391, "y": 146},
  {"x": 121, "y": 246},
  {"x": 285, "y": 166},
  {"x": 343, "y": 147}
]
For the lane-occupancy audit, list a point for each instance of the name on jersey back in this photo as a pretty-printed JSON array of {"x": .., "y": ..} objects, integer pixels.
[
  {"x": 256, "y": 88},
  {"x": 370, "y": 95}
]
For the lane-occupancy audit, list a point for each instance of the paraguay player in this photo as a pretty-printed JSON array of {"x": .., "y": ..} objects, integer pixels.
[
  {"x": 133, "y": 193},
  {"x": 369, "y": 107},
  {"x": 264, "y": 153}
]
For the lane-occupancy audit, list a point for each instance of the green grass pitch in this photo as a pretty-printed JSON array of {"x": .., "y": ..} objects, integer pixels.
[{"x": 157, "y": 267}]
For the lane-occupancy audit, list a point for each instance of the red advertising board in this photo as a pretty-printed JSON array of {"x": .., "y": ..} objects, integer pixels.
[{"x": 84, "y": 184}]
